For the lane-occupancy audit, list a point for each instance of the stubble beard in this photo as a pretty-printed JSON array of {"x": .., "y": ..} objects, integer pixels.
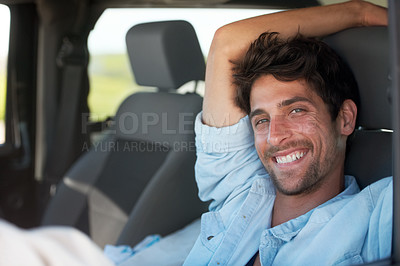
[{"x": 308, "y": 182}]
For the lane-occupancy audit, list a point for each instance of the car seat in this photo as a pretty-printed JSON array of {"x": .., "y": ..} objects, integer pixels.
[
  {"x": 145, "y": 166},
  {"x": 366, "y": 50}
]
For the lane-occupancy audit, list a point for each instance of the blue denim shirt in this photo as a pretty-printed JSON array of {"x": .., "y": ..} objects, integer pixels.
[{"x": 354, "y": 227}]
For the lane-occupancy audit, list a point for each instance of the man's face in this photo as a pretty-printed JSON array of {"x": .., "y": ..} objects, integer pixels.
[{"x": 295, "y": 137}]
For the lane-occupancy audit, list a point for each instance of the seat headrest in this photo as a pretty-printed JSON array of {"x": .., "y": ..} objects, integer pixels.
[
  {"x": 165, "y": 54},
  {"x": 370, "y": 157},
  {"x": 366, "y": 51}
]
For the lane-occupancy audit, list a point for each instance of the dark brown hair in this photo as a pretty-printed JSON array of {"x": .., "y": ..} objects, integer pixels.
[{"x": 292, "y": 59}]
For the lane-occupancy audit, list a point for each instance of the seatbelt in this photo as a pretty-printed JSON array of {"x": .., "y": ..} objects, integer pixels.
[{"x": 72, "y": 59}]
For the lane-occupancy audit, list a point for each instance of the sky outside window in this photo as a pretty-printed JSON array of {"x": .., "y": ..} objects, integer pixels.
[{"x": 109, "y": 33}]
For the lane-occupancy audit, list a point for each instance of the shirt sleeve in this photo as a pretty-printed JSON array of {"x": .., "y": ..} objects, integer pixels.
[{"x": 227, "y": 162}]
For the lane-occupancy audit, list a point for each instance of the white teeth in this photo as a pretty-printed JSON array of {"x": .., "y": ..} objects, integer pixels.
[{"x": 290, "y": 157}]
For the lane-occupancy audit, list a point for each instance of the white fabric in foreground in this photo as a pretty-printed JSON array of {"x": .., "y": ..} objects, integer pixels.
[
  {"x": 170, "y": 250},
  {"x": 55, "y": 246}
]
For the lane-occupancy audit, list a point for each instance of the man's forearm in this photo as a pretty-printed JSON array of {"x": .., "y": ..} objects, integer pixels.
[{"x": 312, "y": 22}]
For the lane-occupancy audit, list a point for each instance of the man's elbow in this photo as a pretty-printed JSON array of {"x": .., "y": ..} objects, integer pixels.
[{"x": 224, "y": 43}]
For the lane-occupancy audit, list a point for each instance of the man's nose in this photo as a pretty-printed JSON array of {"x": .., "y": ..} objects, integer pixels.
[{"x": 279, "y": 130}]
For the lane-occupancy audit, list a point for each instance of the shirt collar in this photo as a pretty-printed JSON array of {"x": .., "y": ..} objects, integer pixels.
[{"x": 324, "y": 212}]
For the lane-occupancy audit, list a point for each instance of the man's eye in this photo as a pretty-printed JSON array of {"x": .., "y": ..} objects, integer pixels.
[
  {"x": 296, "y": 110},
  {"x": 261, "y": 121}
]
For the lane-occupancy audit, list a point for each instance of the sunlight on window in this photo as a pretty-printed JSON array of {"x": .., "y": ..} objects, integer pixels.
[
  {"x": 111, "y": 79},
  {"x": 4, "y": 37}
]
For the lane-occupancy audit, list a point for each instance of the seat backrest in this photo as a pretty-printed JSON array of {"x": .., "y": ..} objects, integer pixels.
[
  {"x": 169, "y": 201},
  {"x": 366, "y": 52},
  {"x": 146, "y": 164}
]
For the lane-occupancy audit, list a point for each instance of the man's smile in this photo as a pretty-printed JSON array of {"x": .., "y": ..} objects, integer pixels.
[
  {"x": 291, "y": 157},
  {"x": 289, "y": 154}
]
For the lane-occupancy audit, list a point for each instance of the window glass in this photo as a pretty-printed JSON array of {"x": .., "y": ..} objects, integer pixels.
[
  {"x": 4, "y": 39},
  {"x": 109, "y": 68}
]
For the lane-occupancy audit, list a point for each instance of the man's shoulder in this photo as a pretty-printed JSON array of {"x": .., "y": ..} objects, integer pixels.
[
  {"x": 381, "y": 184},
  {"x": 381, "y": 191}
]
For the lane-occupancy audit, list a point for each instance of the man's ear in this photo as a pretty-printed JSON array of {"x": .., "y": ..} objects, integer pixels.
[{"x": 348, "y": 115}]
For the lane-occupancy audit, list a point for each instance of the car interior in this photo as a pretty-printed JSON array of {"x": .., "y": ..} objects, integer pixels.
[
  {"x": 147, "y": 170},
  {"x": 138, "y": 180}
]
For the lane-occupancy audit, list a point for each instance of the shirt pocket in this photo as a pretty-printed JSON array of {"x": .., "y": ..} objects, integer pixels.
[{"x": 212, "y": 230}]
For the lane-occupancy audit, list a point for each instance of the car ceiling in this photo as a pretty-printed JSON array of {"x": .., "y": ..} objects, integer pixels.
[{"x": 274, "y": 4}]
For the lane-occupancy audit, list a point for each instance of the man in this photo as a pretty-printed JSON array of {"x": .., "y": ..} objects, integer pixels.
[{"x": 301, "y": 105}]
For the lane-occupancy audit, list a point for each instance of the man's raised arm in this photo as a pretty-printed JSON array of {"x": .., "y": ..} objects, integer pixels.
[{"x": 232, "y": 41}]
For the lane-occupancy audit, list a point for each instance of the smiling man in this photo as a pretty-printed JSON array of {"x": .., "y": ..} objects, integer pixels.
[
  {"x": 295, "y": 137},
  {"x": 302, "y": 108},
  {"x": 271, "y": 144}
]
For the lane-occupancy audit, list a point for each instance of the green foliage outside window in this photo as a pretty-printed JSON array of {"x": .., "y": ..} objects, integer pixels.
[{"x": 111, "y": 81}]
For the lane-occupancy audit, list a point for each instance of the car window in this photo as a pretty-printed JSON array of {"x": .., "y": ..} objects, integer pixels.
[
  {"x": 111, "y": 78},
  {"x": 4, "y": 39}
]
